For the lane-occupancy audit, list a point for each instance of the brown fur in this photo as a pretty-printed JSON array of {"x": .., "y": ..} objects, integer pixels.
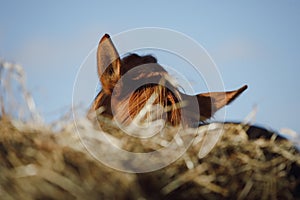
[{"x": 121, "y": 100}]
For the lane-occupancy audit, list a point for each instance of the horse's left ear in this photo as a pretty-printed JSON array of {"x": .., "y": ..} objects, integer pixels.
[
  {"x": 108, "y": 62},
  {"x": 209, "y": 103}
]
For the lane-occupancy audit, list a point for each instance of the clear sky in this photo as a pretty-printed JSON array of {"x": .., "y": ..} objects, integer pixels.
[{"x": 254, "y": 42}]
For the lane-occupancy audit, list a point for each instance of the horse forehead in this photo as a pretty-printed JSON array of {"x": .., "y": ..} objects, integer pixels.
[{"x": 147, "y": 70}]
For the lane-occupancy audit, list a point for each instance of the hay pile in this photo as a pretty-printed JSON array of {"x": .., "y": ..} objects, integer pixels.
[{"x": 36, "y": 163}]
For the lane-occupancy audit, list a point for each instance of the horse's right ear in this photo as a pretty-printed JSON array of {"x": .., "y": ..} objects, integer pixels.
[{"x": 108, "y": 62}]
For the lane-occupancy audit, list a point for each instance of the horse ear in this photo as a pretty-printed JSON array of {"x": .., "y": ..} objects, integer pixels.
[
  {"x": 108, "y": 62},
  {"x": 209, "y": 103}
]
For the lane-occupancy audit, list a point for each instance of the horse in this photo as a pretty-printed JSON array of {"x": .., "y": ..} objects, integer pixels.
[{"x": 130, "y": 83}]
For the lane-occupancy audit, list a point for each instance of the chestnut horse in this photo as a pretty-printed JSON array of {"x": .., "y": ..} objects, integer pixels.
[{"x": 128, "y": 84}]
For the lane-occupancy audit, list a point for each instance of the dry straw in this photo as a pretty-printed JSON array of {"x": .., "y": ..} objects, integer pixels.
[{"x": 39, "y": 164}]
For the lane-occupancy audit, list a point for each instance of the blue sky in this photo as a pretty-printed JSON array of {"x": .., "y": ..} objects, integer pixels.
[{"x": 255, "y": 43}]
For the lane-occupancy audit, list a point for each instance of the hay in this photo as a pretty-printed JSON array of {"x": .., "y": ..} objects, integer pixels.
[{"x": 36, "y": 163}]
